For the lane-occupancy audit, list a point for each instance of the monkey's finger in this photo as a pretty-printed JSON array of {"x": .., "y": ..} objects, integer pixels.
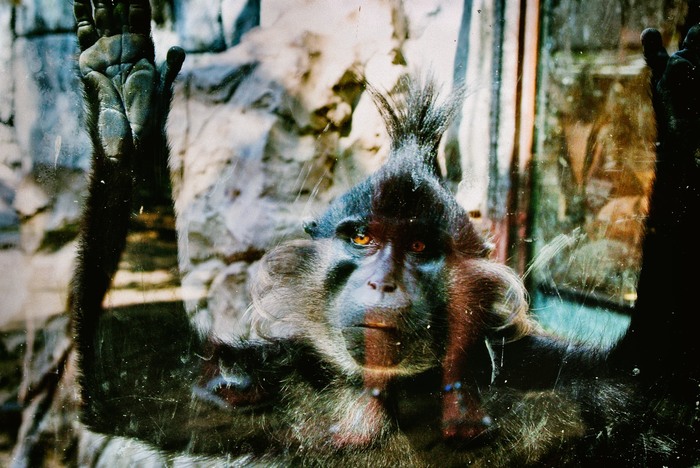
[
  {"x": 172, "y": 66},
  {"x": 168, "y": 72},
  {"x": 120, "y": 17},
  {"x": 138, "y": 98},
  {"x": 692, "y": 39},
  {"x": 654, "y": 53},
  {"x": 87, "y": 35},
  {"x": 140, "y": 17},
  {"x": 683, "y": 66},
  {"x": 103, "y": 18}
]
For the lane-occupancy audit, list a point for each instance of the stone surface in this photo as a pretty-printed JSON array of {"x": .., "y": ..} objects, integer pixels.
[
  {"x": 48, "y": 109},
  {"x": 198, "y": 25},
  {"x": 268, "y": 124},
  {"x": 6, "y": 86},
  {"x": 38, "y": 17},
  {"x": 298, "y": 132}
]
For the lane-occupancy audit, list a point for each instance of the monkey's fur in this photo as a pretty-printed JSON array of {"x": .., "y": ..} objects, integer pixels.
[{"x": 390, "y": 337}]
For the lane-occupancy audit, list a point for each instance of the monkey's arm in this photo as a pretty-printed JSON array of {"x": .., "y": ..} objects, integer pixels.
[
  {"x": 143, "y": 372},
  {"x": 662, "y": 341},
  {"x": 126, "y": 103}
]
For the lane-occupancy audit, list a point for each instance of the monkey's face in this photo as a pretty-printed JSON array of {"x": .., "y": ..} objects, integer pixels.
[
  {"x": 386, "y": 293},
  {"x": 386, "y": 246}
]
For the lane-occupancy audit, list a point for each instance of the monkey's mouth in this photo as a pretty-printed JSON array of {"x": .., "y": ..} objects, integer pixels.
[{"x": 374, "y": 345}]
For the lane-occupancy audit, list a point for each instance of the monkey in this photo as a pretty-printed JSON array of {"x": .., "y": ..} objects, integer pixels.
[{"x": 388, "y": 337}]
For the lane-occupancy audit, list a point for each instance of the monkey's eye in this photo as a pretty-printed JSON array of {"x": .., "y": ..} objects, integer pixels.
[
  {"x": 361, "y": 239},
  {"x": 418, "y": 246}
]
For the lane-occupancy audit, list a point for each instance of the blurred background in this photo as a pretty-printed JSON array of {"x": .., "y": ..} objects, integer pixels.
[{"x": 552, "y": 155}]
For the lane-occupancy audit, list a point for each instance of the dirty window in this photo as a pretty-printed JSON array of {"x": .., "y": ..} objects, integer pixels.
[{"x": 216, "y": 344}]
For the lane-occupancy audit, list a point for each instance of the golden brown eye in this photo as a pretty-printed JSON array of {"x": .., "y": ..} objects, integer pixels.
[
  {"x": 418, "y": 246},
  {"x": 361, "y": 239}
]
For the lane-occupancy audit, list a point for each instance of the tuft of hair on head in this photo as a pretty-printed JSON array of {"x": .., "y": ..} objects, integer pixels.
[{"x": 415, "y": 115}]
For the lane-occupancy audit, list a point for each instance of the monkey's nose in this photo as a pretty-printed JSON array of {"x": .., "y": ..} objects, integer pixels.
[{"x": 382, "y": 286}]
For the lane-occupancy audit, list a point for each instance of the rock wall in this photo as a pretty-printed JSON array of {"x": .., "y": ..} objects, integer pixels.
[
  {"x": 268, "y": 124},
  {"x": 265, "y": 133},
  {"x": 43, "y": 157}
]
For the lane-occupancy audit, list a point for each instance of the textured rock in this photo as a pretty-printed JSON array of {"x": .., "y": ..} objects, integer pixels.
[
  {"x": 31, "y": 198},
  {"x": 9, "y": 220},
  {"x": 49, "y": 202},
  {"x": 39, "y": 17},
  {"x": 6, "y": 86},
  {"x": 237, "y": 18},
  {"x": 198, "y": 25},
  {"x": 10, "y": 154},
  {"x": 48, "y": 108},
  {"x": 268, "y": 124},
  {"x": 285, "y": 103}
]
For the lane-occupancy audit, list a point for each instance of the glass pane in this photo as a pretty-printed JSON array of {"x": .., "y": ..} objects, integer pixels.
[{"x": 594, "y": 161}]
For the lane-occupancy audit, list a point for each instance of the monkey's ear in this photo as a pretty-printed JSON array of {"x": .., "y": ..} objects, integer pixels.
[{"x": 311, "y": 228}]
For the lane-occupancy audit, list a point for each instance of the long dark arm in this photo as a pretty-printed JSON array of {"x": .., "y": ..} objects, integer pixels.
[
  {"x": 661, "y": 344},
  {"x": 144, "y": 373},
  {"x": 126, "y": 102}
]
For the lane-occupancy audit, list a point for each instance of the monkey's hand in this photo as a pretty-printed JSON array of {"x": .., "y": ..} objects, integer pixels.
[
  {"x": 127, "y": 96},
  {"x": 463, "y": 419},
  {"x": 675, "y": 86}
]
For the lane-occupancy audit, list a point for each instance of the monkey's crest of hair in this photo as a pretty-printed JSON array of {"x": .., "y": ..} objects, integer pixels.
[{"x": 414, "y": 117}]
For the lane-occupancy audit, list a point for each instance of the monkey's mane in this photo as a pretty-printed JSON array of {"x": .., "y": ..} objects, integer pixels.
[{"x": 414, "y": 114}]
